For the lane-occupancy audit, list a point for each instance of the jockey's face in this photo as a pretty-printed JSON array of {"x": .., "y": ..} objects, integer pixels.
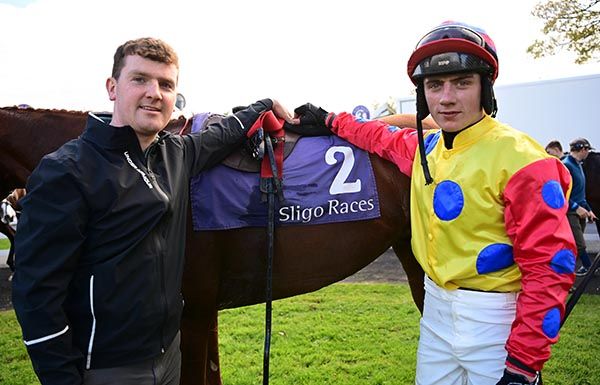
[
  {"x": 144, "y": 96},
  {"x": 454, "y": 100}
]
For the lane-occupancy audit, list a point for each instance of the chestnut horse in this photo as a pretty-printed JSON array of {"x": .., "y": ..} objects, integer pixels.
[{"x": 226, "y": 269}]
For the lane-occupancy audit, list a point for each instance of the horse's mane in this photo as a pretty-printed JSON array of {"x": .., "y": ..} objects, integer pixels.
[{"x": 17, "y": 109}]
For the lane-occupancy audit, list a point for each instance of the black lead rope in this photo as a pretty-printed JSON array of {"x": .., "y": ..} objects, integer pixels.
[
  {"x": 271, "y": 188},
  {"x": 581, "y": 288}
]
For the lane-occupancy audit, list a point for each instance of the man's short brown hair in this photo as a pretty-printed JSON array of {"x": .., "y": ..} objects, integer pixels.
[
  {"x": 554, "y": 144},
  {"x": 146, "y": 47}
]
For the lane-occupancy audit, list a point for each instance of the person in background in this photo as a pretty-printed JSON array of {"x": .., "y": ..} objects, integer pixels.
[
  {"x": 10, "y": 208},
  {"x": 580, "y": 211},
  {"x": 554, "y": 148},
  {"x": 488, "y": 216},
  {"x": 100, "y": 242}
]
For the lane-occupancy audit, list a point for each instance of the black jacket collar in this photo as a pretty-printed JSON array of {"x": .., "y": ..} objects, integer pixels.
[
  {"x": 108, "y": 136},
  {"x": 97, "y": 130}
]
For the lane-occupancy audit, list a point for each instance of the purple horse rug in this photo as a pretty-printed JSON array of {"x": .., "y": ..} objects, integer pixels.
[{"x": 325, "y": 180}]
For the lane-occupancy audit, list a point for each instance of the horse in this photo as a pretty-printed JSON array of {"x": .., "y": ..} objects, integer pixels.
[
  {"x": 226, "y": 268},
  {"x": 591, "y": 169}
]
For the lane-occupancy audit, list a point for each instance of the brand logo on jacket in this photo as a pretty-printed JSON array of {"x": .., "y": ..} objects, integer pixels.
[{"x": 136, "y": 168}]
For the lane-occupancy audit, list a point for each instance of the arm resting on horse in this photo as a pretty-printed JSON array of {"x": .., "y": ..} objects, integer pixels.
[
  {"x": 212, "y": 145},
  {"x": 389, "y": 142}
]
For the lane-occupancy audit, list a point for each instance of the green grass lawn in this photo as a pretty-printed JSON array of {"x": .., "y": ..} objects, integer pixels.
[
  {"x": 4, "y": 244},
  {"x": 345, "y": 334}
]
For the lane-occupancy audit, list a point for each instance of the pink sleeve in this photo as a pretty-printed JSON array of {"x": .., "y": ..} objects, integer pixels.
[
  {"x": 389, "y": 142},
  {"x": 544, "y": 250}
]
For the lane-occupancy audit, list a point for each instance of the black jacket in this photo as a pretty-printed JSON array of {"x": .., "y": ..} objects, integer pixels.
[{"x": 100, "y": 245}]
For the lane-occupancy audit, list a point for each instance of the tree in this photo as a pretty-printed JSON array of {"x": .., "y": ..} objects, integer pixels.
[{"x": 569, "y": 24}]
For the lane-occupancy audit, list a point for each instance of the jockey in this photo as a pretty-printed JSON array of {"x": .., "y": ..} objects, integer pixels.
[{"x": 488, "y": 216}]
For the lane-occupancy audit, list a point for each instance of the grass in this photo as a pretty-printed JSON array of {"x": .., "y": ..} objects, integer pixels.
[
  {"x": 4, "y": 244},
  {"x": 345, "y": 334}
]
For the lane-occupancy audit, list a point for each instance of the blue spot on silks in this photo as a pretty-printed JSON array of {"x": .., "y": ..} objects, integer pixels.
[
  {"x": 430, "y": 141},
  {"x": 563, "y": 262},
  {"x": 393, "y": 129},
  {"x": 448, "y": 200},
  {"x": 553, "y": 194},
  {"x": 551, "y": 323},
  {"x": 494, "y": 257}
]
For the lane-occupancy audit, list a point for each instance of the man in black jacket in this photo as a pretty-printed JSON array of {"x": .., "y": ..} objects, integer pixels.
[{"x": 101, "y": 237}]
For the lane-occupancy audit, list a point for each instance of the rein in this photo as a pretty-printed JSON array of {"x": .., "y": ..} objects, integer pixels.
[
  {"x": 271, "y": 188},
  {"x": 270, "y": 184}
]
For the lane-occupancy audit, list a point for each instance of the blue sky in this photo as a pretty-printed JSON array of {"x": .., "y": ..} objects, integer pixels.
[{"x": 58, "y": 53}]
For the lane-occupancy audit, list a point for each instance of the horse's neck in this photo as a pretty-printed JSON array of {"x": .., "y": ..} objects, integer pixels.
[{"x": 31, "y": 134}]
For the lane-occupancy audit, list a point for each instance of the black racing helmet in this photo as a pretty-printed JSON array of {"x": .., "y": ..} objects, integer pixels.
[{"x": 452, "y": 47}]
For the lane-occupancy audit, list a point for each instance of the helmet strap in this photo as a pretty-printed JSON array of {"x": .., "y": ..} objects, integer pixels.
[
  {"x": 422, "y": 108},
  {"x": 422, "y": 112},
  {"x": 488, "y": 99}
]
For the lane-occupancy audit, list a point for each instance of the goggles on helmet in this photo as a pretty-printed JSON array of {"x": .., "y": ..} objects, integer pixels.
[
  {"x": 459, "y": 39},
  {"x": 452, "y": 32}
]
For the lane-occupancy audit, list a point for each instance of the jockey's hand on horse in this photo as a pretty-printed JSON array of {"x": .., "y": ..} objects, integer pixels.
[
  {"x": 311, "y": 120},
  {"x": 510, "y": 378}
]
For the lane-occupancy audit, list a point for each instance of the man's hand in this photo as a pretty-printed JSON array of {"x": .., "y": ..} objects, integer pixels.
[
  {"x": 512, "y": 378},
  {"x": 581, "y": 212},
  {"x": 585, "y": 214},
  {"x": 311, "y": 120},
  {"x": 592, "y": 217},
  {"x": 281, "y": 112}
]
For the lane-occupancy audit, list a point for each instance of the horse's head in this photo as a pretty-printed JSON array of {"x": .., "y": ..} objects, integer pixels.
[
  {"x": 591, "y": 169},
  {"x": 592, "y": 163}
]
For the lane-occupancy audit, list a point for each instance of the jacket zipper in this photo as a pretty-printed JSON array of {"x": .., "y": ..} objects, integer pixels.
[
  {"x": 88, "y": 362},
  {"x": 153, "y": 180},
  {"x": 161, "y": 266}
]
